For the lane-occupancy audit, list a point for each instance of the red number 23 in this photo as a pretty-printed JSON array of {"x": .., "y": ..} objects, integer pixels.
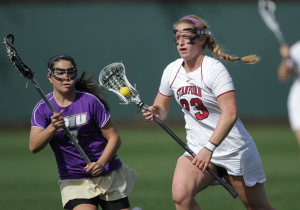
[{"x": 197, "y": 103}]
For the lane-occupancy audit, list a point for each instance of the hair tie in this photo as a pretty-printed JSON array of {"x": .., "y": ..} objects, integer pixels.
[
  {"x": 194, "y": 21},
  {"x": 239, "y": 58}
]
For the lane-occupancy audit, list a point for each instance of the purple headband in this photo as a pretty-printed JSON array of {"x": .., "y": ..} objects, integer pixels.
[{"x": 194, "y": 21}]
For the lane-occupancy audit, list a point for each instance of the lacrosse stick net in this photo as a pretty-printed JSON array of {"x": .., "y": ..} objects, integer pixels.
[
  {"x": 266, "y": 10},
  {"x": 113, "y": 78},
  {"x": 26, "y": 72}
]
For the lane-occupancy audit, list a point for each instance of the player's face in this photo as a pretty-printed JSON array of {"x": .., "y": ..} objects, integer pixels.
[
  {"x": 64, "y": 71},
  {"x": 187, "y": 49}
]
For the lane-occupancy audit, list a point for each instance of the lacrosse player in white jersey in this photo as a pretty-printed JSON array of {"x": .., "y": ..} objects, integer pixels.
[
  {"x": 289, "y": 67},
  {"x": 204, "y": 89}
]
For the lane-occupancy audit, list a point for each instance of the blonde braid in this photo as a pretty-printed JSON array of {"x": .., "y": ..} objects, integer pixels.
[{"x": 215, "y": 48}]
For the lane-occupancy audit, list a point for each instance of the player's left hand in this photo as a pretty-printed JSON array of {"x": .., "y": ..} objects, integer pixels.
[
  {"x": 202, "y": 159},
  {"x": 94, "y": 168}
]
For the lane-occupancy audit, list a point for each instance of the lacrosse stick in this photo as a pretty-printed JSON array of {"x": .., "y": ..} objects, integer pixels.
[
  {"x": 28, "y": 74},
  {"x": 113, "y": 78},
  {"x": 266, "y": 10}
]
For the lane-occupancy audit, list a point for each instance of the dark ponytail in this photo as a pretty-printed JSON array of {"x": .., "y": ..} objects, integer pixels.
[{"x": 87, "y": 84}]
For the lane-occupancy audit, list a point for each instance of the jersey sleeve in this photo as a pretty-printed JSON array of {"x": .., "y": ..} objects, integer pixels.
[
  {"x": 168, "y": 76},
  {"x": 219, "y": 79},
  {"x": 101, "y": 115},
  {"x": 40, "y": 116},
  {"x": 164, "y": 87}
]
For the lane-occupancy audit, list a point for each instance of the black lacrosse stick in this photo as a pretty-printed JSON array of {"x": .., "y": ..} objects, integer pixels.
[
  {"x": 15, "y": 59},
  {"x": 27, "y": 73}
]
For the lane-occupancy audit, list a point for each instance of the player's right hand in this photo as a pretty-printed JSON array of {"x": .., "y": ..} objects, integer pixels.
[
  {"x": 57, "y": 120},
  {"x": 148, "y": 115}
]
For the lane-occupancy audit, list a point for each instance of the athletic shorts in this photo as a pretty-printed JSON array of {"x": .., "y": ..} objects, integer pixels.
[
  {"x": 294, "y": 106},
  {"x": 244, "y": 162},
  {"x": 113, "y": 186}
]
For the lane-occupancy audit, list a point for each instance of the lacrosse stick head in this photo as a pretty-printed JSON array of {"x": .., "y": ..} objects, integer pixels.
[
  {"x": 266, "y": 10},
  {"x": 267, "y": 5},
  {"x": 15, "y": 59},
  {"x": 113, "y": 78}
]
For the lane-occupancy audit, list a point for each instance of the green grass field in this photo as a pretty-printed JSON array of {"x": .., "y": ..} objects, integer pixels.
[{"x": 30, "y": 182}]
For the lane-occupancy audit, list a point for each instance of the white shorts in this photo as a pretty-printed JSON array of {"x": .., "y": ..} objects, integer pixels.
[
  {"x": 244, "y": 162},
  {"x": 294, "y": 106},
  {"x": 113, "y": 186}
]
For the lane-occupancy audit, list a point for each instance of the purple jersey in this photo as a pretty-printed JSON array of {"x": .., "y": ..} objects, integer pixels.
[{"x": 84, "y": 117}]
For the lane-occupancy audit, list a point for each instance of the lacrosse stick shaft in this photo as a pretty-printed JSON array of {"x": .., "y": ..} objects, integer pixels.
[
  {"x": 71, "y": 137},
  {"x": 184, "y": 146}
]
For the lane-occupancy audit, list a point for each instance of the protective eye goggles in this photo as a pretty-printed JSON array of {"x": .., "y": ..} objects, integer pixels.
[
  {"x": 60, "y": 74},
  {"x": 188, "y": 33}
]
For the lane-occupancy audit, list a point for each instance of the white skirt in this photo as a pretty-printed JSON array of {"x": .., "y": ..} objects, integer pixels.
[
  {"x": 294, "y": 106},
  {"x": 245, "y": 162}
]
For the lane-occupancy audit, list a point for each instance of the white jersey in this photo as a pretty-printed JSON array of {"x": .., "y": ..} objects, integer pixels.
[
  {"x": 295, "y": 55},
  {"x": 294, "y": 95},
  {"x": 196, "y": 92}
]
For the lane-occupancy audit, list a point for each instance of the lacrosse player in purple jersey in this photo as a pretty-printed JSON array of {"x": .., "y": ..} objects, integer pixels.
[
  {"x": 289, "y": 67},
  {"x": 105, "y": 181},
  {"x": 204, "y": 89}
]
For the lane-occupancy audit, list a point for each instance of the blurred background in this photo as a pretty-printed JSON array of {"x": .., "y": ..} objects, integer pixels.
[{"x": 139, "y": 34}]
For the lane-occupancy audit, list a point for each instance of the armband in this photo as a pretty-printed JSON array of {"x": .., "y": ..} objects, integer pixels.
[{"x": 210, "y": 146}]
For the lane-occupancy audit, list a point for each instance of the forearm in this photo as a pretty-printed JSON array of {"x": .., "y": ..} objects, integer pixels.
[
  {"x": 113, "y": 143},
  {"x": 163, "y": 113},
  {"x": 162, "y": 104},
  {"x": 227, "y": 103},
  {"x": 110, "y": 150},
  {"x": 40, "y": 139},
  {"x": 285, "y": 70},
  {"x": 224, "y": 126}
]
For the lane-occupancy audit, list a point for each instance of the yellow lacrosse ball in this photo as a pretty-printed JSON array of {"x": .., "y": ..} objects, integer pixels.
[{"x": 125, "y": 91}]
